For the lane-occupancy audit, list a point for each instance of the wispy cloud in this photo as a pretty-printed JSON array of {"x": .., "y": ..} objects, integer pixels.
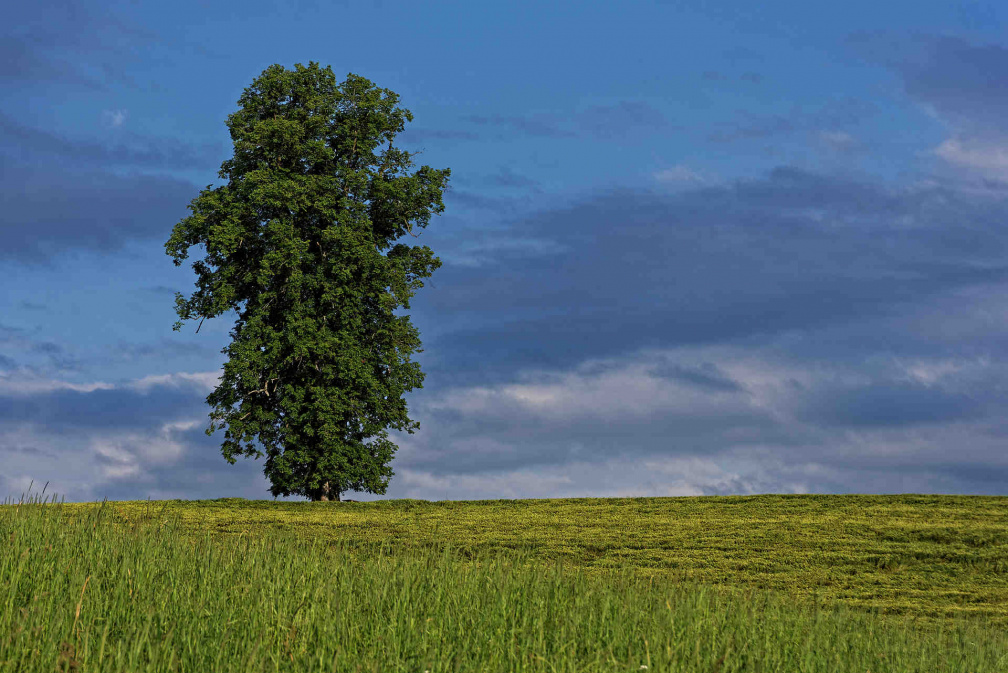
[
  {"x": 840, "y": 141},
  {"x": 986, "y": 159},
  {"x": 32, "y": 144},
  {"x": 114, "y": 118},
  {"x": 536, "y": 124},
  {"x": 679, "y": 174},
  {"x": 836, "y": 114},
  {"x": 599, "y": 121}
]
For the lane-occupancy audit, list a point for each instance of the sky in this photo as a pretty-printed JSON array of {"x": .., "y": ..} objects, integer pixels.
[{"x": 689, "y": 248}]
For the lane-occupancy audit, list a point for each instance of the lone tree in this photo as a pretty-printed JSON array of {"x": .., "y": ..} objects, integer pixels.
[{"x": 300, "y": 244}]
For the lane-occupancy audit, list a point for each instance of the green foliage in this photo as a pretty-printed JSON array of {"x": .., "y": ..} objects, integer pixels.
[
  {"x": 300, "y": 243},
  {"x": 83, "y": 589}
]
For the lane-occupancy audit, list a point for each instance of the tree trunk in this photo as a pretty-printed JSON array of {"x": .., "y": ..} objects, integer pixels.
[{"x": 324, "y": 496}]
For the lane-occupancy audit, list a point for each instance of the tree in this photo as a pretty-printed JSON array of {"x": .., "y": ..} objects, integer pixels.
[{"x": 299, "y": 244}]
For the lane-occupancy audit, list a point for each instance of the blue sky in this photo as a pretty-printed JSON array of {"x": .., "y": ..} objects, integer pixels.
[{"x": 689, "y": 248}]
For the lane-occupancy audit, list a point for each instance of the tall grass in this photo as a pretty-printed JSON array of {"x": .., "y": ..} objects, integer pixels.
[{"x": 81, "y": 592}]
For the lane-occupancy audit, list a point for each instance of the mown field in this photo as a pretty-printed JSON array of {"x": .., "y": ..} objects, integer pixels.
[{"x": 759, "y": 583}]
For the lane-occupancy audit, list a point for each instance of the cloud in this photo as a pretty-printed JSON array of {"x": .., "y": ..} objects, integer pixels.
[
  {"x": 49, "y": 210},
  {"x": 987, "y": 159},
  {"x": 623, "y": 118},
  {"x": 32, "y": 144},
  {"x": 796, "y": 332},
  {"x": 706, "y": 376},
  {"x": 417, "y": 135},
  {"x": 841, "y": 112},
  {"x": 541, "y": 125},
  {"x": 506, "y": 177},
  {"x": 839, "y": 141},
  {"x": 717, "y": 76},
  {"x": 477, "y": 201},
  {"x": 68, "y": 410},
  {"x": 161, "y": 350},
  {"x": 114, "y": 118},
  {"x": 790, "y": 253},
  {"x": 679, "y": 174},
  {"x": 888, "y": 404},
  {"x": 31, "y": 306},
  {"x": 961, "y": 83},
  {"x": 67, "y": 42},
  {"x": 966, "y": 83},
  {"x": 599, "y": 121},
  {"x": 615, "y": 427},
  {"x": 133, "y": 440}
]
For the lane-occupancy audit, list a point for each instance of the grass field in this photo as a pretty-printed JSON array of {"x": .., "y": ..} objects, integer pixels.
[{"x": 760, "y": 583}]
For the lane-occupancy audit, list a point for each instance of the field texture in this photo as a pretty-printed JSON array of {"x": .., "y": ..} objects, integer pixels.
[
  {"x": 860, "y": 583},
  {"x": 930, "y": 557}
]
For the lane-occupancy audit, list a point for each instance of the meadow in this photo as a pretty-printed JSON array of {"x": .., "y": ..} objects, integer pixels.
[{"x": 756, "y": 583}]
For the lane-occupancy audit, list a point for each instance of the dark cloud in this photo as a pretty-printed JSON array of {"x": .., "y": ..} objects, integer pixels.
[
  {"x": 504, "y": 435},
  {"x": 163, "y": 349},
  {"x": 21, "y": 61},
  {"x": 57, "y": 356},
  {"x": 706, "y": 376},
  {"x": 886, "y": 404},
  {"x": 7, "y": 363},
  {"x": 32, "y": 306},
  {"x": 610, "y": 121},
  {"x": 8, "y": 333},
  {"x": 32, "y": 451},
  {"x": 48, "y": 347},
  {"x": 66, "y": 412},
  {"x": 67, "y": 41},
  {"x": 839, "y": 113},
  {"x": 508, "y": 178},
  {"x": 966, "y": 83},
  {"x": 50, "y": 210},
  {"x": 477, "y": 201},
  {"x": 163, "y": 290},
  {"x": 29, "y": 144},
  {"x": 793, "y": 251}
]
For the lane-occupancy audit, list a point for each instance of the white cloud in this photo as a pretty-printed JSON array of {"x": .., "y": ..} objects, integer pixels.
[
  {"x": 204, "y": 380},
  {"x": 839, "y": 141},
  {"x": 679, "y": 174},
  {"x": 114, "y": 118},
  {"x": 989, "y": 159},
  {"x": 599, "y": 389},
  {"x": 131, "y": 453},
  {"x": 22, "y": 382}
]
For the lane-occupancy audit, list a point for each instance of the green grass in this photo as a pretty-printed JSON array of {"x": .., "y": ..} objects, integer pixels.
[{"x": 859, "y": 583}]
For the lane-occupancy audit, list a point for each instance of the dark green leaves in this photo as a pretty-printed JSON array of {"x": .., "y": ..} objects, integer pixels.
[{"x": 295, "y": 245}]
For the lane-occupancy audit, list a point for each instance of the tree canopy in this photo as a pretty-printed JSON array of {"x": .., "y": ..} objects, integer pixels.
[{"x": 300, "y": 243}]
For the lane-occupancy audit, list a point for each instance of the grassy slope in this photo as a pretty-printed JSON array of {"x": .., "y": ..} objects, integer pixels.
[{"x": 933, "y": 558}]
